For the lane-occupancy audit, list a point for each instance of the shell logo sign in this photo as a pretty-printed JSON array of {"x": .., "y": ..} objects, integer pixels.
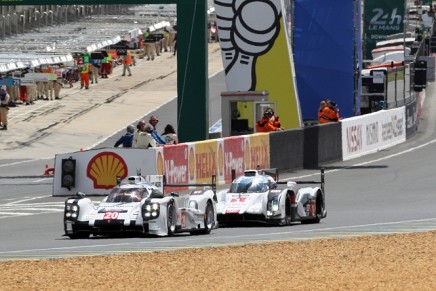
[
  {"x": 160, "y": 163},
  {"x": 104, "y": 168}
]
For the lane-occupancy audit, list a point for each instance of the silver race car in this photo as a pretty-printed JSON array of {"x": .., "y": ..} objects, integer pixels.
[
  {"x": 138, "y": 204},
  {"x": 256, "y": 196}
]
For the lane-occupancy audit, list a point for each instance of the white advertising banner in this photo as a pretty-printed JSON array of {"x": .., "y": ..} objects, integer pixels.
[
  {"x": 370, "y": 133},
  {"x": 96, "y": 170}
]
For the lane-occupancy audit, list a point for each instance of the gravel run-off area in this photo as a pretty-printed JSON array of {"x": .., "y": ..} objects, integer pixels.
[{"x": 382, "y": 262}]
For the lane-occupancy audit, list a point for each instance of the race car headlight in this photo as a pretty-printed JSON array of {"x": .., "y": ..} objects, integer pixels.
[
  {"x": 273, "y": 205},
  {"x": 150, "y": 211},
  {"x": 71, "y": 211}
]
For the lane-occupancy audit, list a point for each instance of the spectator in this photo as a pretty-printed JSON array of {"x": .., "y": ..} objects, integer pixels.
[
  {"x": 322, "y": 105},
  {"x": 95, "y": 68},
  {"x": 57, "y": 86},
  {"x": 276, "y": 121},
  {"x": 127, "y": 61},
  {"x": 84, "y": 76},
  {"x": 144, "y": 139},
  {"x": 154, "y": 121},
  {"x": 4, "y": 107},
  {"x": 266, "y": 122},
  {"x": 330, "y": 113},
  {"x": 169, "y": 135},
  {"x": 139, "y": 128},
  {"x": 127, "y": 139}
]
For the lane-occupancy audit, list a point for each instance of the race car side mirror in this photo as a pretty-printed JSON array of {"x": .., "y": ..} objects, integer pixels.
[
  {"x": 80, "y": 194},
  {"x": 174, "y": 194}
]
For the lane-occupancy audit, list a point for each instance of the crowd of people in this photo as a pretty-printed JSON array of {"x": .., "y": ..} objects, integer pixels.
[{"x": 146, "y": 136}]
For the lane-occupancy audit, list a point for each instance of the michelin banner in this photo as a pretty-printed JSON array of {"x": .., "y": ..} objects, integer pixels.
[
  {"x": 256, "y": 53},
  {"x": 382, "y": 18}
]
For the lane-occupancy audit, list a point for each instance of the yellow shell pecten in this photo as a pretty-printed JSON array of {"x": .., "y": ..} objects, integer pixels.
[{"x": 104, "y": 168}]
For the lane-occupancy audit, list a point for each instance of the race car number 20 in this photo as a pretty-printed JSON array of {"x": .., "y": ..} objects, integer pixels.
[{"x": 110, "y": 215}]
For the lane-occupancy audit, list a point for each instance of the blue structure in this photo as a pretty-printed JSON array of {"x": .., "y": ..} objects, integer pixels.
[{"x": 324, "y": 54}]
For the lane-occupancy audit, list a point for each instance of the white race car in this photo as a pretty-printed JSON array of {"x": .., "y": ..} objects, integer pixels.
[
  {"x": 256, "y": 196},
  {"x": 138, "y": 205}
]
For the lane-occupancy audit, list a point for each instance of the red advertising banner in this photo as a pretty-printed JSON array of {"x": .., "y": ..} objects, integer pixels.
[
  {"x": 176, "y": 165},
  {"x": 233, "y": 157}
]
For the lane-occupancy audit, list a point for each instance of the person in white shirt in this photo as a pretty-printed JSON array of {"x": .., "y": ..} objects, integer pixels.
[
  {"x": 142, "y": 138},
  {"x": 169, "y": 135}
]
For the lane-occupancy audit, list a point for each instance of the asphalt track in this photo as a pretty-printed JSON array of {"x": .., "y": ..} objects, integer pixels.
[{"x": 391, "y": 191}]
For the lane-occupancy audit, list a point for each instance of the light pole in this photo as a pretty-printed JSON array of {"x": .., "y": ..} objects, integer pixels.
[
  {"x": 58, "y": 20},
  {"x": 66, "y": 13},
  {"x": 23, "y": 19},
  {"x": 9, "y": 24},
  {"x": 46, "y": 17},
  {"x": 3, "y": 27},
  {"x": 15, "y": 22},
  {"x": 51, "y": 13},
  {"x": 39, "y": 22}
]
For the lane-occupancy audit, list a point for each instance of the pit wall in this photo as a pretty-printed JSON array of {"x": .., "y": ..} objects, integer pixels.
[{"x": 196, "y": 162}]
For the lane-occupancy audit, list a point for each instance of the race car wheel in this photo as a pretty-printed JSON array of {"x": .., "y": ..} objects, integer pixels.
[
  {"x": 171, "y": 219},
  {"x": 287, "y": 219},
  {"x": 79, "y": 235},
  {"x": 318, "y": 212},
  {"x": 209, "y": 220}
]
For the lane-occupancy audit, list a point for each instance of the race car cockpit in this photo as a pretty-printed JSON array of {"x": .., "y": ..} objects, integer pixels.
[
  {"x": 126, "y": 195},
  {"x": 244, "y": 184}
]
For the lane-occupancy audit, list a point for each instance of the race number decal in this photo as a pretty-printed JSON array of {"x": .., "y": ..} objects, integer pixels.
[
  {"x": 238, "y": 199},
  {"x": 110, "y": 215}
]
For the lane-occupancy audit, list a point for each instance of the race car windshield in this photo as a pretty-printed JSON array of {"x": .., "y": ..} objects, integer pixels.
[
  {"x": 126, "y": 195},
  {"x": 248, "y": 186}
]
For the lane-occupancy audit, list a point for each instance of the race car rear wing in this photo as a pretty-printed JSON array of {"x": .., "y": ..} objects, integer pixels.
[
  {"x": 321, "y": 182},
  {"x": 212, "y": 185}
]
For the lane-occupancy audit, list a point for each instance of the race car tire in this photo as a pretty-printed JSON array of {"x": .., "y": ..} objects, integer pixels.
[
  {"x": 209, "y": 220},
  {"x": 287, "y": 219},
  {"x": 318, "y": 213},
  {"x": 79, "y": 235},
  {"x": 171, "y": 219}
]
